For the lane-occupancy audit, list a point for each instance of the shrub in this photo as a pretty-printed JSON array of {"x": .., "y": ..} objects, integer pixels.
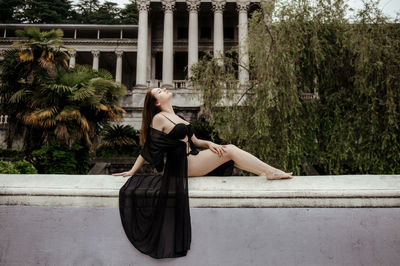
[
  {"x": 8, "y": 168},
  {"x": 25, "y": 167},
  {"x": 18, "y": 167},
  {"x": 60, "y": 159}
]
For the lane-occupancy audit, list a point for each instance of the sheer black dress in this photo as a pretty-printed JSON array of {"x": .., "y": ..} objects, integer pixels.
[{"x": 154, "y": 209}]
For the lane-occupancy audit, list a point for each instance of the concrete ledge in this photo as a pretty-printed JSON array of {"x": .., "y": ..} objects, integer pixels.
[
  {"x": 211, "y": 191},
  {"x": 238, "y": 221}
]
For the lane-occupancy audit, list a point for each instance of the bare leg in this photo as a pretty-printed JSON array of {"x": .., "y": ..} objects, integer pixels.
[
  {"x": 249, "y": 162},
  {"x": 206, "y": 161}
]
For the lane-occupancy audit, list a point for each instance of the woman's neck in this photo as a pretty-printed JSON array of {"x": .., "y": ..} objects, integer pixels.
[{"x": 168, "y": 109}]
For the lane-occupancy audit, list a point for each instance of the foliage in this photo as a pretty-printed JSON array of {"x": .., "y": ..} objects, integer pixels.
[
  {"x": 117, "y": 136},
  {"x": 7, "y": 9},
  {"x": 130, "y": 14},
  {"x": 87, "y": 9},
  {"x": 126, "y": 151},
  {"x": 118, "y": 141},
  {"x": 46, "y": 101},
  {"x": 21, "y": 70},
  {"x": 25, "y": 167},
  {"x": 17, "y": 167},
  {"x": 8, "y": 168},
  {"x": 107, "y": 13},
  {"x": 204, "y": 130},
  {"x": 11, "y": 153},
  {"x": 297, "y": 47},
  {"x": 41, "y": 11},
  {"x": 66, "y": 11},
  {"x": 58, "y": 158},
  {"x": 76, "y": 104}
]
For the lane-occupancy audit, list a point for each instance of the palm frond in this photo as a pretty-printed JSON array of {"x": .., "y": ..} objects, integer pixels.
[
  {"x": 60, "y": 89},
  {"x": 48, "y": 123},
  {"x": 83, "y": 93},
  {"x": 119, "y": 109},
  {"x": 84, "y": 124},
  {"x": 102, "y": 107},
  {"x": 61, "y": 131},
  {"x": 19, "y": 95},
  {"x": 46, "y": 113},
  {"x": 26, "y": 55},
  {"x": 31, "y": 119}
]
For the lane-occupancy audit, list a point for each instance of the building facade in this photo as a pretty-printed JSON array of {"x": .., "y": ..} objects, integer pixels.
[{"x": 170, "y": 37}]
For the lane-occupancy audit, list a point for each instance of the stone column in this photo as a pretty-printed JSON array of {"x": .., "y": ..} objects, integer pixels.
[
  {"x": 141, "y": 63},
  {"x": 218, "y": 7},
  {"x": 242, "y": 7},
  {"x": 72, "y": 54},
  {"x": 153, "y": 66},
  {"x": 168, "y": 43},
  {"x": 148, "y": 58},
  {"x": 96, "y": 54},
  {"x": 193, "y": 51},
  {"x": 118, "y": 74}
]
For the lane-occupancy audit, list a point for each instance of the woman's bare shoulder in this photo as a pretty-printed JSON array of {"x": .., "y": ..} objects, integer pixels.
[{"x": 158, "y": 121}]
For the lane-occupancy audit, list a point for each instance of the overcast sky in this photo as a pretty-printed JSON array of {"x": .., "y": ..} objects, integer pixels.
[{"x": 389, "y": 7}]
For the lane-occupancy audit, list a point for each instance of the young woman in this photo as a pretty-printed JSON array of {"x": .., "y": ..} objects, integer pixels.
[
  {"x": 163, "y": 118},
  {"x": 154, "y": 208}
]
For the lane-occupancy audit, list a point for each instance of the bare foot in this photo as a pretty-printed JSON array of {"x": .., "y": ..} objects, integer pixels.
[{"x": 278, "y": 175}]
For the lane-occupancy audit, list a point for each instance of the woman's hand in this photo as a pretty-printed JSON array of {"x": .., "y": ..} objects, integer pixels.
[
  {"x": 218, "y": 149},
  {"x": 123, "y": 174}
]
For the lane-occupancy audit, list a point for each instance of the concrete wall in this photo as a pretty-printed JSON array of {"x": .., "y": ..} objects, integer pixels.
[
  {"x": 35, "y": 235},
  {"x": 261, "y": 222}
]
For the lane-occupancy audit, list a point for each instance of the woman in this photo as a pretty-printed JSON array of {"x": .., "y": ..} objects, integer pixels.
[{"x": 154, "y": 209}]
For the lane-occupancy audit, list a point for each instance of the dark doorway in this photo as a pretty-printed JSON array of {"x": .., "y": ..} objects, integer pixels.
[{"x": 180, "y": 65}]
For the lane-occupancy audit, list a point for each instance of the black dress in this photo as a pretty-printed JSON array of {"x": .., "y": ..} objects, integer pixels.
[{"x": 154, "y": 209}]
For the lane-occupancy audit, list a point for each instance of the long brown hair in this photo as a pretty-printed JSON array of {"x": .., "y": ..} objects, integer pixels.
[{"x": 149, "y": 111}]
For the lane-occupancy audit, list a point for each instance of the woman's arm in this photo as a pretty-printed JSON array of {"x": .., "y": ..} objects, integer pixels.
[
  {"x": 201, "y": 143},
  {"x": 138, "y": 164},
  {"x": 218, "y": 149}
]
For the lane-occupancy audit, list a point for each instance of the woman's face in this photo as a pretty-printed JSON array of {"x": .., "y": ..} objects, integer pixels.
[{"x": 162, "y": 95}]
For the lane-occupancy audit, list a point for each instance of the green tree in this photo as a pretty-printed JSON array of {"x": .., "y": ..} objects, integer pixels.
[
  {"x": 130, "y": 14},
  {"x": 86, "y": 10},
  {"x": 118, "y": 140},
  {"x": 117, "y": 136},
  {"x": 297, "y": 47},
  {"x": 7, "y": 9},
  {"x": 21, "y": 71},
  {"x": 108, "y": 13},
  {"x": 41, "y": 11},
  {"x": 74, "y": 105},
  {"x": 55, "y": 103}
]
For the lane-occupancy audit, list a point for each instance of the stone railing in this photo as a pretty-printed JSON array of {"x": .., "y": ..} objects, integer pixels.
[
  {"x": 236, "y": 220},
  {"x": 177, "y": 84},
  {"x": 184, "y": 84},
  {"x": 3, "y": 119}
]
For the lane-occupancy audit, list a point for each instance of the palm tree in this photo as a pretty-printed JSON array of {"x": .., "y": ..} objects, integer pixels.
[
  {"x": 74, "y": 105},
  {"x": 41, "y": 51},
  {"x": 118, "y": 136},
  {"x": 46, "y": 101}
]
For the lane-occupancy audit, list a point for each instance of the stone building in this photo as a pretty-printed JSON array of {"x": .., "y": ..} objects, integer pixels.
[{"x": 169, "y": 38}]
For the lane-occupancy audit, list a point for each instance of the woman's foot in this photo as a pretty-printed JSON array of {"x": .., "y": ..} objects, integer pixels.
[{"x": 278, "y": 175}]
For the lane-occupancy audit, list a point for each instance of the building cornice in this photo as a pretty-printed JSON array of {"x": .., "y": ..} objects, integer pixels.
[
  {"x": 69, "y": 26},
  {"x": 82, "y": 42}
]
